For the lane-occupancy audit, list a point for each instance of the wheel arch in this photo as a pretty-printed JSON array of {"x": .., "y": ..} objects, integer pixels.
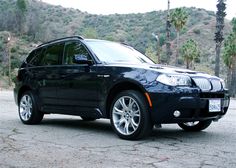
[
  {"x": 21, "y": 91},
  {"x": 122, "y": 86}
]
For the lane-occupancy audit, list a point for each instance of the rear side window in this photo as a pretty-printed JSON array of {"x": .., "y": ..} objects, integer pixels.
[
  {"x": 30, "y": 57},
  {"x": 52, "y": 55},
  {"x": 34, "y": 57}
]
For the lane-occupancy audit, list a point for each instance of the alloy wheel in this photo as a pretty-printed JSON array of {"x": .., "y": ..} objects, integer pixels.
[
  {"x": 126, "y": 115},
  {"x": 26, "y": 107}
]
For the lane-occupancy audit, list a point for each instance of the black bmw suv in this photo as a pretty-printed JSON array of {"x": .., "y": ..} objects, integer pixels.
[{"x": 101, "y": 79}]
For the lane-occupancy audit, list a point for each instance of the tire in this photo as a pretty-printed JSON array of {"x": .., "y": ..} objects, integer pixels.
[
  {"x": 88, "y": 118},
  {"x": 129, "y": 115},
  {"x": 195, "y": 126},
  {"x": 27, "y": 108}
]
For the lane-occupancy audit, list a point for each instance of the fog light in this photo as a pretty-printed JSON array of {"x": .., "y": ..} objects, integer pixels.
[{"x": 177, "y": 113}]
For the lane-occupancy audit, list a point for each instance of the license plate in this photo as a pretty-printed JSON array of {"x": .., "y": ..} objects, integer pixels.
[{"x": 214, "y": 105}]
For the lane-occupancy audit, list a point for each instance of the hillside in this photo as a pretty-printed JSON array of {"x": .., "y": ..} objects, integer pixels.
[{"x": 45, "y": 22}]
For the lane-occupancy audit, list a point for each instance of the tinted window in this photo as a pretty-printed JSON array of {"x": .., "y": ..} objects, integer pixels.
[
  {"x": 73, "y": 49},
  {"x": 34, "y": 57},
  {"x": 114, "y": 52},
  {"x": 30, "y": 57},
  {"x": 52, "y": 55}
]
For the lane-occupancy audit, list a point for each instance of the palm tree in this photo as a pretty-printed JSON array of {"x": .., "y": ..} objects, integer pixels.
[
  {"x": 168, "y": 26},
  {"x": 21, "y": 6},
  {"x": 220, "y": 15},
  {"x": 190, "y": 52},
  {"x": 229, "y": 57},
  {"x": 178, "y": 18}
]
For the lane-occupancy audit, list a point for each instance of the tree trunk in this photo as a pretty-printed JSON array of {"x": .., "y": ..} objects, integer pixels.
[
  {"x": 158, "y": 52},
  {"x": 187, "y": 63},
  {"x": 229, "y": 77},
  {"x": 168, "y": 50},
  {"x": 217, "y": 60},
  {"x": 177, "y": 49},
  {"x": 9, "y": 64},
  {"x": 233, "y": 82}
]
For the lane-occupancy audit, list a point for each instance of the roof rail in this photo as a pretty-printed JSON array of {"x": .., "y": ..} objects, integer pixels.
[
  {"x": 64, "y": 38},
  {"x": 127, "y": 45},
  {"x": 124, "y": 43}
]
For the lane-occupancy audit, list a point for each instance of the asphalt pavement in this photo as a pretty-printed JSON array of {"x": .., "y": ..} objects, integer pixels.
[{"x": 67, "y": 141}]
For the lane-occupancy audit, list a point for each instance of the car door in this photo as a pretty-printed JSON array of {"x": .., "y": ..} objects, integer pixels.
[
  {"x": 45, "y": 74},
  {"x": 77, "y": 89}
]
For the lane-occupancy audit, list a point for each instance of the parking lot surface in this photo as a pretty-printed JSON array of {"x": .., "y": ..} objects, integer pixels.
[{"x": 67, "y": 141}]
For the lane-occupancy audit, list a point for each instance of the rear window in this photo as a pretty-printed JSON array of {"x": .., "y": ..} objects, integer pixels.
[
  {"x": 34, "y": 57},
  {"x": 50, "y": 55}
]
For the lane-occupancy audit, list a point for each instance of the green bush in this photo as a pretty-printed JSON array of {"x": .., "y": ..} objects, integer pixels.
[
  {"x": 1, "y": 45},
  {"x": 13, "y": 50},
  {"x": 180, "y": 61},
  {"x": 197, "y": 31}
]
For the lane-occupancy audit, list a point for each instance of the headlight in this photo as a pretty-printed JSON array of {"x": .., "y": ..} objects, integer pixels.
[{"x": 174, "y": 80}]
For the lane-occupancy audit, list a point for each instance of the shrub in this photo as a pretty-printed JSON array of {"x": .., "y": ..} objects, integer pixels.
[
  {"x": 197, "y": 31},
  {"x": 13, "y": 50}
]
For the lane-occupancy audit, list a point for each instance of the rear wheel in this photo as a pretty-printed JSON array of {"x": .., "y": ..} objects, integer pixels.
[
  {"x": 195, "y": 126},
  {"x": 28, "y": 111},
  {"x": 130, "y": 117}
]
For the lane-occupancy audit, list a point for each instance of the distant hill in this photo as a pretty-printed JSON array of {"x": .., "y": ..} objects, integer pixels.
[{"x": 46, "y": 22}]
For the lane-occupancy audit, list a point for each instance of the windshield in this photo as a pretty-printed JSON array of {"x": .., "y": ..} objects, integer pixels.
[{"x": 111, "y": 52}]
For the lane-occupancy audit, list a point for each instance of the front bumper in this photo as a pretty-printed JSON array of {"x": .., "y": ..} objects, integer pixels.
[{"x": 192, "y": 104}]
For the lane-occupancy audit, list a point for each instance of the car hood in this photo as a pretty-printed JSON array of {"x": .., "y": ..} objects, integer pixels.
[{"x": 164, "y": 69}]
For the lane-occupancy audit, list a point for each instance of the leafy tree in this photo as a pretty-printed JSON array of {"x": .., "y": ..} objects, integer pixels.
[
  {"x": 90, "y": 33},
  {"x": 33, "y": 22},
  {"x": 229, "y": 57},
  {"x": 179, "y": 18},
  {"x": 21, "y": 9},
  {"x": 150, "y": 52},
  {"x": 109, "y": 37},
  {"x": 220, "y": 15},
  {"x": 162, "y": 40},
  {"x": 190, "y": 52}
]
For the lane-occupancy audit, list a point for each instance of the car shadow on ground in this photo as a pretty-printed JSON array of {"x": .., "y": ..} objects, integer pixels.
[
  {"x": 178, "y": 134},
  {"x": 166, "y": 132},
  {"x": 98, "y": 125}
]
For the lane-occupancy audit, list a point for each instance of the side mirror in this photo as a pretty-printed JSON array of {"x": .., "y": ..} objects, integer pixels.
[{"x": 82, "y": 59}]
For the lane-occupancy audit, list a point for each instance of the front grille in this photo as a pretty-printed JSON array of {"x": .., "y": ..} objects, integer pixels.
[
  {"x": 202, "y": 83},
  {"x": 216, "y": 85},
  {"x": 208, "y": 85}
]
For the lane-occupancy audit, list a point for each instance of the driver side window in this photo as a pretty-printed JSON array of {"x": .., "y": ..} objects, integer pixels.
[{"x": 73, "y": 50}]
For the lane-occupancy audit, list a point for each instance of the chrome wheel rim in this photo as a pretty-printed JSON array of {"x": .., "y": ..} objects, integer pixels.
[
  {"x": 25, "y": 107},
  {"x": 191, "y": 124},
  {"x": 126, "y": 115}
]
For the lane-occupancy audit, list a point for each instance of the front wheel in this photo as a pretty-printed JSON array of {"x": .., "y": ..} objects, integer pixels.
[
  {"x": 28, "y": 111},
  {"x": 195, "y": 126},
  {"x": 130, "y": 118}
]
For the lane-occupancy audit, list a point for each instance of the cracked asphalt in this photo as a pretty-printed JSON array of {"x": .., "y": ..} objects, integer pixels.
[{"x": 67, "y": 141}]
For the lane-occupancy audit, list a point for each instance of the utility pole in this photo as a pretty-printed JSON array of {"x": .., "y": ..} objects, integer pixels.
[
  {"x": 168, "y": 25},
  {"x": 158, "y": 42},
  {"x": 9, "y": 58}
]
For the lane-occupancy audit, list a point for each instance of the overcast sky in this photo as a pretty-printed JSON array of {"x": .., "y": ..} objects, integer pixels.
[{"x": 140, "y": 6}]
